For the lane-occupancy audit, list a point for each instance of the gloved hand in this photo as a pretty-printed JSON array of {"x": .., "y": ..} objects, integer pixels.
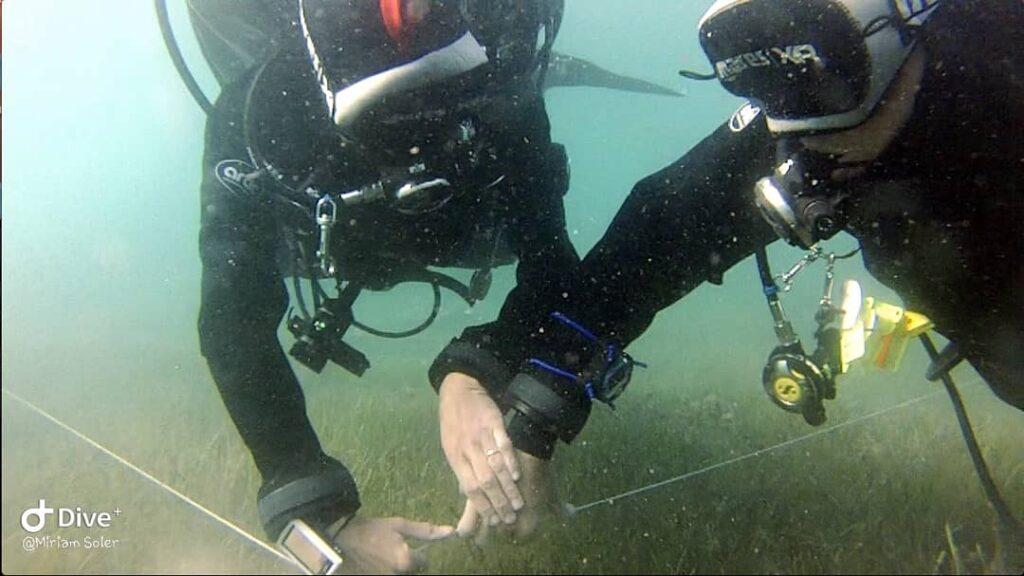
[
  {"x": 479, "y": 452},
  {"x": 382, "y": 545}
]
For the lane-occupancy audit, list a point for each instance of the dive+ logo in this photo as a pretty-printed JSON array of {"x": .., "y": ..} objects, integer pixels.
[
  {"x": 34, "y": 519},
  {"x": 236, "y": 176}
]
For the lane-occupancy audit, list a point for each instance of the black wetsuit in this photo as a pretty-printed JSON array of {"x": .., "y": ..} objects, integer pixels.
[
  {"x": 508, "y": 200},
  {"x": 939, "y": 217}
]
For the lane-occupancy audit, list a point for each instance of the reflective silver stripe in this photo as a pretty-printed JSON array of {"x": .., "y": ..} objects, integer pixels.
[
  {"x": 460, "y": 56},
  {"x": 316, "y": 61},
  {"x": 347, "y": 104}
]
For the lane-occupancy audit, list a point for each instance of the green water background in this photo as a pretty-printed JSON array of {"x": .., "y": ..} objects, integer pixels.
[{"x": 101, "y": 149}]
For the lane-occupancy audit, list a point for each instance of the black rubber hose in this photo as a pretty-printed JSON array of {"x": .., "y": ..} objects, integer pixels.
[
  {"x": 1006, "y": 519},
  {"x": 176, "y": 57},
  {"x": 412, "y": 331},
  {"x": 764, "y": 271},
  {"x": 697, "y": 75}
]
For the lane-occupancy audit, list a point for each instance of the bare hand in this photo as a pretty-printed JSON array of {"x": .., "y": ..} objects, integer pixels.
[
  {"x": 538, "y": 488},
  {"x": 541, "y": 500},
  {"x": 479, "y": 452},
  {"x": 381, "y": 545}
]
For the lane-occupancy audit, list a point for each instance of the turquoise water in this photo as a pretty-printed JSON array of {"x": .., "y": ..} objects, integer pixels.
[{"x": 101, "y": 150}]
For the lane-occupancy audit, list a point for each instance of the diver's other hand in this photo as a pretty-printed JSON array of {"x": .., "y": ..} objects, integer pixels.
[
  {"x": 540, "y": 503},
  {"x": 479, "y": 451},
  {"x": 382, "y": 545},
  {"x": 538, "y": 488}
]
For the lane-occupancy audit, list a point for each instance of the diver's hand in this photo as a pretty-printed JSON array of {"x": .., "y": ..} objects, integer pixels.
[
  {"x": 381, "y": 545},
  {"x": 479, "y": 452},
  {"x": 541, "y": 502},
  {"x": 538, "y": 488}
]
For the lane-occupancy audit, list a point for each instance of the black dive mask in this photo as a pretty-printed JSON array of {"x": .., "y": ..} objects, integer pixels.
[{"x": 797, "y": 199}]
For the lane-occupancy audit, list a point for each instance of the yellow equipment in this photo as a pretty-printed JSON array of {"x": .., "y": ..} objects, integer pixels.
[{"x": 876, "y": 331}]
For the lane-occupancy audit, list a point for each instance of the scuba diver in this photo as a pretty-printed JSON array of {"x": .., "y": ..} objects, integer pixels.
[
  {"x": 890, "y": 121},
  {"x": 361, "y": 143},
  {"x": 373, "y": 140}
]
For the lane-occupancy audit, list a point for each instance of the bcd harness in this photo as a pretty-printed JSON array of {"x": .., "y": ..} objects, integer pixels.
[
  {"x": 425, "y": 185},
  {"x": 415, "y": 187}
]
